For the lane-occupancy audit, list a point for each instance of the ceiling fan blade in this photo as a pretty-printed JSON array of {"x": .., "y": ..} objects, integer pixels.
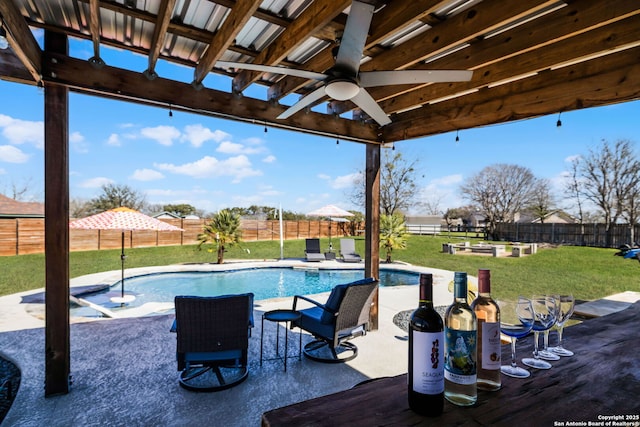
[
  {"x": 304, "y": 102},
  {"x": 311, "y": 75},
  {"x": 401, "y": 77},
  {"x": 371, "y": 107},
  {"x": 354, "y": 36}
]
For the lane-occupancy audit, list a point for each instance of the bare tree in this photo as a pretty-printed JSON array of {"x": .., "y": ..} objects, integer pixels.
[
  {"x": 542, "y": 201},
  {"x": 397, "y": 184},
  {"x": 501, "y": 190},
  {"x": 610, "y": 176},
  {"x": 573, "y": 187}
]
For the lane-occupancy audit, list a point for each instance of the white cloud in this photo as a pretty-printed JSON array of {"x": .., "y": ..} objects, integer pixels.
[
  {"x": 269, "y": 159},
  {"x": 3, "y": 171},
  {"x": 22, "y": 131},
  {"x": 324, "y": 176},
  {"x": 254, "y": 140},
  {"x": 77, "y": 142},
  {"x": 345, "y": 181},
  {"x": 228, "y": 147},
  {"x": 146, "y": 175},
  {"x": 114, "y": 140},
  {"x": 163, "y": 135},
  {"x": 11, "y": 154},
  {"x": 96, "y": 182},
  {"x": 238, "y": 167},
  {"x": 197, "y": 135},
  {"x": 570, "y": 159},
  {"x": 446, "y": 181}
]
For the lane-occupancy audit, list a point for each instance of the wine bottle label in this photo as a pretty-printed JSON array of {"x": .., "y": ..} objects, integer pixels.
[
  {"x": 428, "y": 362},
  {"x": 491, "y": 346},
  {"x": 460, "y": 357}
]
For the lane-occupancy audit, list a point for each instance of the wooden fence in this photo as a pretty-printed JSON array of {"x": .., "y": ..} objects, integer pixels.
[
  {"x": 568, "y": 234},
  {"x": 22, "y": 236}
]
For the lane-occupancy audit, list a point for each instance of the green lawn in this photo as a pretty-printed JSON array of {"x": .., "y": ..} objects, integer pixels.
[{"x": 589, "y": 273}]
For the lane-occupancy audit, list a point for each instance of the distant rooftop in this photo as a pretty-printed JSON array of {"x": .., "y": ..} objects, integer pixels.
[{"x": 14, "y": 208}]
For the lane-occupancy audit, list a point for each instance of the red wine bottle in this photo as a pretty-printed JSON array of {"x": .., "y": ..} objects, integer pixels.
[{"x": 426, "y": 354}]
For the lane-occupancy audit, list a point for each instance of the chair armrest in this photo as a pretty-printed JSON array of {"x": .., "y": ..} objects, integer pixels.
[{"x": 316, "y": 303}]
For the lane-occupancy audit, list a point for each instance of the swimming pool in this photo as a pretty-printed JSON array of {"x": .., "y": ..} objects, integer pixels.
[{"x": 265, "y": 283}]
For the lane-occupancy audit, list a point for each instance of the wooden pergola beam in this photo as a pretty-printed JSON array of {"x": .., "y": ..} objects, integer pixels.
[
  {"x": 130, "y": 86},
  {"x": 21, "y": 41},
  {"x": 159, "y": 34},
  {"x": 618, "y": 35},
  {"x": 572, "y": 87},
  {"x": 316, "y": 16},
  {"x": 225, "y": 36}
]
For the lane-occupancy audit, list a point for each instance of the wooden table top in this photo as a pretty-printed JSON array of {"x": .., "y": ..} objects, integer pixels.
[{"x": 601, "y": 381}]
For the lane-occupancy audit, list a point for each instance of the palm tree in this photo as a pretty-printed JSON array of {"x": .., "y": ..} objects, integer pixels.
[
  {"x": 224, "y": 230},
  {"x": 393, "y": 234}
]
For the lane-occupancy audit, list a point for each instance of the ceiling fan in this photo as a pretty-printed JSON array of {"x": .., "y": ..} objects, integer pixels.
[{"x": 343, "y": 81}]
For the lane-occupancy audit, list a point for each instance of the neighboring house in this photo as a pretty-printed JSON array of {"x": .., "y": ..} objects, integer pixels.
[
  {"x": 556, "y": 217},
  {"x": 166, "y": 215},
  {"x": 10, "y": 208},
  {"x": 476, "y": 219},
  {"x": 429, "y": 224}
]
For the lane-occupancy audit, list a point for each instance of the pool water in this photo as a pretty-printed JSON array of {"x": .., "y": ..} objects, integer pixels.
[{"x": 265, "y": 283}]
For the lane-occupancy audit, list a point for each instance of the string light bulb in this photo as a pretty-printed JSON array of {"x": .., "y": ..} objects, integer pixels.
[
  {"x": 457, "y": 137},
  {"x": 337, "y": 141},
  {"x": 559, "y": 122},
  {"x": 265, "y": 127},
  {"x": 170, "y": 111}
]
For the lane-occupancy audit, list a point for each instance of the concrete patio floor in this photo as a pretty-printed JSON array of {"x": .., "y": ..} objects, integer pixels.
[{"x": 124, "y": 370}]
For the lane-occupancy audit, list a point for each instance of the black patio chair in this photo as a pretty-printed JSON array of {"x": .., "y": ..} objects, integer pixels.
[
  {"x": 344, "y": 316},
  {"x": 212, "y": 340}
]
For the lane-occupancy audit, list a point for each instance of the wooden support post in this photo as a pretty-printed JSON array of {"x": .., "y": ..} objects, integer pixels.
[
  {"x": 372, "y": 223},
  {"x": 56, "y": 236}
]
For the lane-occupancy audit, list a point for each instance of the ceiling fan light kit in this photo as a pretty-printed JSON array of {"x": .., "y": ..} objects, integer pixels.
[{"x": 342, "y": 90}]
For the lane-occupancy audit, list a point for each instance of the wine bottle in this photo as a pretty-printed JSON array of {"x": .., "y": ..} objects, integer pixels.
[
  {"x": 489, "y": 347},
  {"x": 426, "y": 354},
  {"x": 460, "y": 347}
]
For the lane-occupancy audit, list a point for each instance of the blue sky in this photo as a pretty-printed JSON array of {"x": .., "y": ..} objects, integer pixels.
[{"x": 213, "y": 164}]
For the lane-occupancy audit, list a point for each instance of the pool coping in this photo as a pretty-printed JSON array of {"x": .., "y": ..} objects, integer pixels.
[{"x": 16, "y": 314}]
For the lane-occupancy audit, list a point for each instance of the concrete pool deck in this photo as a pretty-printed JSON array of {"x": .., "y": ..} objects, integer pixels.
[{"x": 124, "y": 370}]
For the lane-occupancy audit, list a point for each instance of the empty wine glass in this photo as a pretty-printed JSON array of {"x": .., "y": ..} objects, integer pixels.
[
  {"x": 567, "y": 304},
  {"x": 516, "y": 321},
  {"x": 544, "y": 309},
  {"x": 546, "y": 353}
]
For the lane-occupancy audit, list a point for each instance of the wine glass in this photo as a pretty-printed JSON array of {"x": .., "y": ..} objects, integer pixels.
[
  {"x": 544, "y": 309},
  {"x": 546, "y": 353},
  {"x": 516, "y": 321},
  {"x": 567, "y": 304}
]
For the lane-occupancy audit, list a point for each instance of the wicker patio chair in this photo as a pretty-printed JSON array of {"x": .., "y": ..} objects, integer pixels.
[
  {"x": 213, "y": 340},
  {"x": 344, "y": 316}
]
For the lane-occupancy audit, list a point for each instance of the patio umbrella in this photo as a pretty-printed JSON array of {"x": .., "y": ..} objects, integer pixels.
[
  {"x": 124, "y": 219},
  {"x": 331, "y": 212}
]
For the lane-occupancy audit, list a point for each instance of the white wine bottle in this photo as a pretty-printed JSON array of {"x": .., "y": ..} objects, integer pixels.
[
  {"x": 426, "y": 354},
  {"x": 460, "y": 347},
  {"x": 489, "y": 347}
]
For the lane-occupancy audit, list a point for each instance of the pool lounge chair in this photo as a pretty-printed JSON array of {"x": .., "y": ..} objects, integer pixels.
[
  {"x": 344, "y": 316},
  {"x": 348, "y": 251},
  {"x": 212, "y": 340},
  {"x": 312, "y": 251}
]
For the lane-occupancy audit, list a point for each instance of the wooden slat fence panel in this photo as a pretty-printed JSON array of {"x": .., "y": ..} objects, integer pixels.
[
  {"x": 26, "y": 235},
  {"x": 594, "y": 235}
]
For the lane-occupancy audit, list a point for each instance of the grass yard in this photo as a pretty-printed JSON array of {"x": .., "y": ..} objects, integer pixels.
[{"x": 589, "y": 273}]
